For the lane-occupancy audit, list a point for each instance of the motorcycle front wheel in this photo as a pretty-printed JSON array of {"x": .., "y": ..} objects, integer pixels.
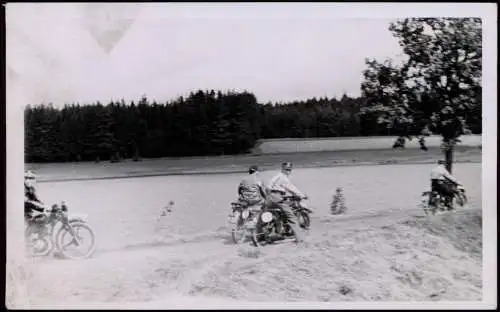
[
  {"x": 239, "y": 234},
  {"x": 254, "y": 238},
  {"x": 430, "y": 204},
  {"x": 305, "y": 221},
  {"x": 258, "y": 236},
  {"x": 461, "y": 199},
  {"x": 64, "y": 234}
]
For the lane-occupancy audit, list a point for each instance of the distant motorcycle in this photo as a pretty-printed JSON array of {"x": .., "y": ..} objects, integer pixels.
[
  {"x": 432, "y": 201},
  {"x": 242, "y": 221},
  {"x": 272, "y": 223},
  {"x": 41, "y": 238}
]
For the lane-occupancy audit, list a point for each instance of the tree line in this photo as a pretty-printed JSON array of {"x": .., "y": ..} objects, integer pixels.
[{"x": 202, "y": 124}]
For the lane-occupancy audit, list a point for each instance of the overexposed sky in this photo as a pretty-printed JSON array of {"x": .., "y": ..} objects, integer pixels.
[{"x": 281, "y": 52}]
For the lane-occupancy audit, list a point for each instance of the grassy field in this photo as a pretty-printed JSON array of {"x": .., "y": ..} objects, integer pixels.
[
  {"x": 240, "y": 163},
  {"x": 277, "y": 146},
  {"x": 382, "y": 249}
]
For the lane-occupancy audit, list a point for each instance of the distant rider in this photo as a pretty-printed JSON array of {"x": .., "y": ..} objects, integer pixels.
[
  {"x": 251, "y": 190},
  {"x": 33, "y": 206},
  {"x": 443, "y": 182},
  {"x": 280, "y": 186}
]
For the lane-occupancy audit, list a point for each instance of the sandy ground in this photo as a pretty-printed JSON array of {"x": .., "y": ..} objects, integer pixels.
[{"x": 382, "y": 249}]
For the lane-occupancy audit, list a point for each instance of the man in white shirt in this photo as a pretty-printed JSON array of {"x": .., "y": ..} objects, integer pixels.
[
  {"x": 280, "y": 186},
  {"x": 443, "y": 182}
]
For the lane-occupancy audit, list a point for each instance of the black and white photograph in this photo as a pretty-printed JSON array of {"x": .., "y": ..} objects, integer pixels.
[{"x": 249, "y": 155}]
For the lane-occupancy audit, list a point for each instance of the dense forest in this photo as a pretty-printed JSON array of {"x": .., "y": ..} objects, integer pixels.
[{"x": 203, "y": 123}]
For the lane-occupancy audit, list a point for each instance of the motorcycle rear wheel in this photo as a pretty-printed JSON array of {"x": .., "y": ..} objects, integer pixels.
[
  {"x": 32, "y": 245},
  {"x": 45, "y": 250}
]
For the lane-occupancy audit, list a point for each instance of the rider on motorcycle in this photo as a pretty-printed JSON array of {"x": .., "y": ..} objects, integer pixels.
[
  {"x": 251, "y": 190},
  {"x": 444, "y": 183},
  {"x": 33, "y": 206},
  {"x": 280, "y": 186}
]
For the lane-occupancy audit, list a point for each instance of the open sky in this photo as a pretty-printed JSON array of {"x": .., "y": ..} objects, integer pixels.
[
  {"x": 86, "y": 52},
  {"x": 163, "y": 55}
]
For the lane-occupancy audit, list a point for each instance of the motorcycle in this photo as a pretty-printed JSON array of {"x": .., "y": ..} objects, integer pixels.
[
  {"x": 272, "y": 223},
  {"x": 300, "y": 210},
  {"x": 432, "y": 201},
  {"x": 241, "y": 220},
  {"x": 42, "y": 238}
]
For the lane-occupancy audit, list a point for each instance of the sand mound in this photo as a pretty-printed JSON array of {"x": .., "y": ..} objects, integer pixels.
[
  {"x": 420, "y": 259},
  {"x": 463, "y": 229}
]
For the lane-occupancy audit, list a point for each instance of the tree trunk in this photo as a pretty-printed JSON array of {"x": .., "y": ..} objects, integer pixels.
[{"x": 448, "y": 156}]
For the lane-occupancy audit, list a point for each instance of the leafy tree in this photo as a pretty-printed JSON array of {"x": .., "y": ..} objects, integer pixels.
[{"x": 437, "y": 89}]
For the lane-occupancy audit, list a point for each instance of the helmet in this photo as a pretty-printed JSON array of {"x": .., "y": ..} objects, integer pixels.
[
  {"x": 29, "y": 175},
  {"x": 252, "y": 169},
  {"x": 286, "y": 166},
  {"x": 29, "y": 178}
]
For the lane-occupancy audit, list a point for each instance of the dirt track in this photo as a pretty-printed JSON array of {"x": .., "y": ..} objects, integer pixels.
[{"x": 385, "y": 256}]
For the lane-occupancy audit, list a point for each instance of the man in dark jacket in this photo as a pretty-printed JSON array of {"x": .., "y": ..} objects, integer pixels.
[
  {"x": 33, "y": 206},
  {"x": 251, "y": 190}
]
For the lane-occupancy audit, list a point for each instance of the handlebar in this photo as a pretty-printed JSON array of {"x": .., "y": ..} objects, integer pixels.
[
  {"x": 58, "y": 208},
  {"x": 293, "y": 197}
]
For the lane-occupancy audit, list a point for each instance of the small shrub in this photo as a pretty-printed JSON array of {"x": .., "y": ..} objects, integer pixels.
[{"x": 338, "y": 202}]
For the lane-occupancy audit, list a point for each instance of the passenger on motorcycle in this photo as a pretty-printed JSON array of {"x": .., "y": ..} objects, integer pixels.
[
  {"x": 33, "y": 206},
  {"x": 251, "y": 190},
  {"x": 280, "y": 186},
  {"x": 443, "y": 183}
]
